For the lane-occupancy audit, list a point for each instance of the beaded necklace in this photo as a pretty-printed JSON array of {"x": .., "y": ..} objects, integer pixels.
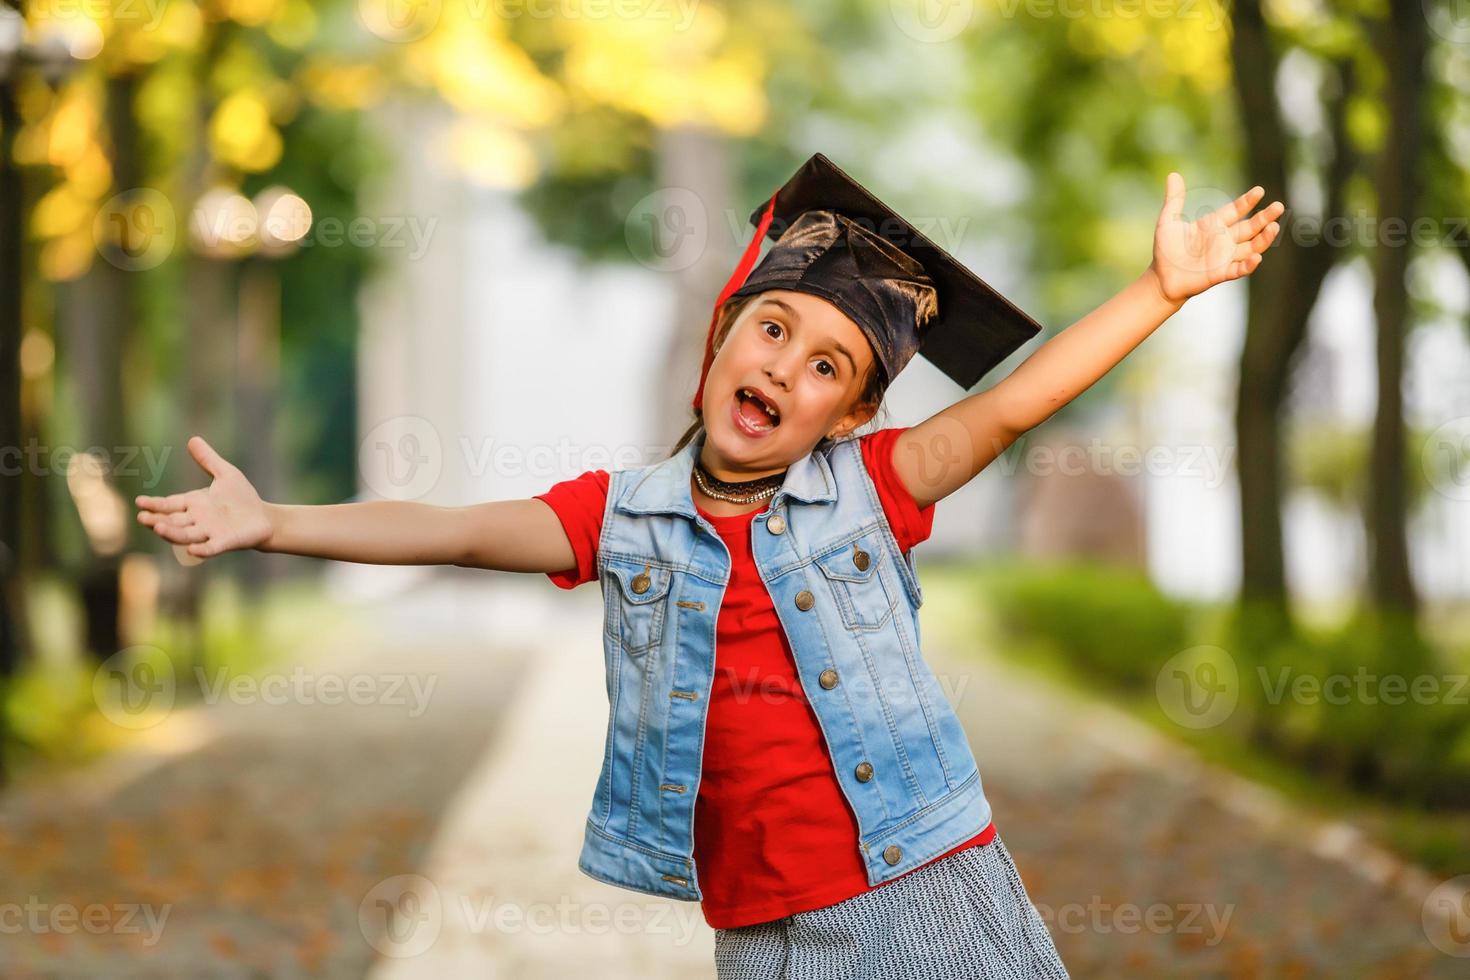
[{"x": 741, "y": 492}]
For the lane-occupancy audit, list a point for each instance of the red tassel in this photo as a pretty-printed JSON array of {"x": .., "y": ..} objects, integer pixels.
[{"x": 737, "y": 279}]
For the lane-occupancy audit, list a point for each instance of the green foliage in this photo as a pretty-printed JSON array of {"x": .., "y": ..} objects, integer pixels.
[
  {"x": 50, "y": 715},
  {"x": 1112, "y": 622},
  {"x": 1335, "y": 462},
  {"x": 47, "y": 709},
  {"x": 580, "y": 204},
  {"x": 1370, "y": 705}
]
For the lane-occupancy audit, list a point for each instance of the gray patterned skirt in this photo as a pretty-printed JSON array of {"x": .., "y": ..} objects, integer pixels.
[{"x": 964, "y": 916}]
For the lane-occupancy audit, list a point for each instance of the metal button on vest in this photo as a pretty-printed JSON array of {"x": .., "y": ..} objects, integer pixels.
[
  {"x": 864, "y": 771},
  {"x": 805, "y": 600},
  {"x": 892, "y": 854},
  {"x": 860, "y": 559},
  {"x": 775, "y": 525},
  {"x": 641, "y": 580},
  {"x": 828, "y": 678}
]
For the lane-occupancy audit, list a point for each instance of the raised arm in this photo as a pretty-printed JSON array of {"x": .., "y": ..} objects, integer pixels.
[
  {"x": 228, "y": 515},
  {"x": 947, "y": 450}
]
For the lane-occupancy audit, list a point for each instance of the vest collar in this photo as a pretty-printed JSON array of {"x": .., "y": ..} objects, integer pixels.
[{"x": 663, "y": 488}]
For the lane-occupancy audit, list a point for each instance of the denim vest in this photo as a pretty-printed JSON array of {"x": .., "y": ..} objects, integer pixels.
[{"x": 848, "y": 600}]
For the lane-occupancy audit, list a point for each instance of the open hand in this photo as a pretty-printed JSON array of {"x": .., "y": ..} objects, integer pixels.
[
  {"x": 1192, "y": 256},
  {"x": 225, "y": 516}
]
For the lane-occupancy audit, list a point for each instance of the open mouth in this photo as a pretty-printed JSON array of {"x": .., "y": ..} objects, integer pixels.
[{"x": 755, "y": 412}]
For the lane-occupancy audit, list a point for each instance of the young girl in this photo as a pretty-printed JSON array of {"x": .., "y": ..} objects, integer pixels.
[{"x": 777, "y": 748}]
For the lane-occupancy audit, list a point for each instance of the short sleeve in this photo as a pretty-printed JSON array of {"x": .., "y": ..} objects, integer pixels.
[
  {"x": 910, "y": 524},
  {"x": 579, "y": 504}
]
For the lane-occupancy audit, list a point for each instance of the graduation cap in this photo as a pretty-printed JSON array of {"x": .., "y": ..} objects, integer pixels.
[{"x": 835, "y": 240}]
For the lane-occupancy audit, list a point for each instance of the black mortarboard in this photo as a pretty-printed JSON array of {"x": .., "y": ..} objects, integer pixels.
[{"x": 835, "y": 240}]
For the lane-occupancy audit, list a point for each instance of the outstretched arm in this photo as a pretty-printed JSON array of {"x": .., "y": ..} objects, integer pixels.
[
  {"x": 228, "y": 515},
  {"x": 947, "y": 450}
]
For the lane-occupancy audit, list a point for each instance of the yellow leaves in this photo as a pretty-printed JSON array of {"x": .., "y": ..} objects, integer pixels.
[
  {"x": 477, "y": 72},
  {"x": 67, "y": 137},
  {"x": 1366, "y": 122},
  {"x": 239, "y": 66},
  {"x": 73, "y": 127},
  {"x": 251, "y": 13},
  {"x": 488, "y": 154},
  {"x": 1290, "y": 14},
  {"x": 343, "y": 86},
  {"x": 1193, "y": 51},
  {"x": 241, "y": 133},
  {"x": 177, "y": 26},
  {"x": 669, "y": 71},
  {"x": 1187, "y": 41},
  {"x": 1110, "y": 35},
  {"x": 182, "y": 24},
  {"x": 731, "y": 96},
  {"x": 91, "y": 173},
  {"x": 165, "y": 102},
  {"x": 295, "y": 27}
]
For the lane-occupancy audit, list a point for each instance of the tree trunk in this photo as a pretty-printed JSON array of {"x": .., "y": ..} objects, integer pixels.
[
  {"x": 697, "y": 160},
  {"x": 1282, "y": 294},
  {"x": 97, "y": 312},
  {"x": 1402, "y": 41},
  {"x": 257, "y": 383},
  {"x": 206, "y": 328},
  {"x": 12, "y": 609}
]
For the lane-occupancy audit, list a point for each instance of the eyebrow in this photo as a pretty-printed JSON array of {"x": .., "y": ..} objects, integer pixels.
[{"x": 851, "y": 361}]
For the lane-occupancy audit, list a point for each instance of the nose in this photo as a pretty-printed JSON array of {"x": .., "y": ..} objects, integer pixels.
[{"x": 781, "y": 366}]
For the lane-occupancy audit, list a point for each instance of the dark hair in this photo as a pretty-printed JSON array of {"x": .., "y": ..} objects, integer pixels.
[{"x": 873, "y": 388}]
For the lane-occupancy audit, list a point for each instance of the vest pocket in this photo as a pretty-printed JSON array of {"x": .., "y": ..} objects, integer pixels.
[
  {"x": 639, "y": 602},
  {"x": 854, "y": 574}
]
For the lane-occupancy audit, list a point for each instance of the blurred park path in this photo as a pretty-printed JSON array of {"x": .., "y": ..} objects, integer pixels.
[
  {"x": 1142, "y": 861},
  {"x": 503, "y": 868},
  {"x": 1146, "y": 862},
  {"x": 307, "y": 839},
  {"x": 244, "y": 838}
]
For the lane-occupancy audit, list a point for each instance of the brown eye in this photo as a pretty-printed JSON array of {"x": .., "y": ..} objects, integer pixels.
[
  {"x": 828, "y": 365},
  {"x": 771, "y": 323}
]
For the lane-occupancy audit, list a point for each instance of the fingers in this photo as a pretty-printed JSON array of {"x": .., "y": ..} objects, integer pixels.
[
  {"x": 213, "y": 463},
  {"x": 182, "y": 519},
  {"x": 1243, "y": 267},
  {"x": 175, "y": 528},
  {"x": 1233, "y": 211},
  {"x": 1258, "y": 243},
  {"x": 1247, "y": 255},
  {"x": 167, "y": 505},
  {"x": 1263, "y": 241},
  {"x": 1173, "y": 196},
  {"x": 1249, "y": 229}
]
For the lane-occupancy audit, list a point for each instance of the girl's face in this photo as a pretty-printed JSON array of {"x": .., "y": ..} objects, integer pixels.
[{"x": 806, "y": 360}]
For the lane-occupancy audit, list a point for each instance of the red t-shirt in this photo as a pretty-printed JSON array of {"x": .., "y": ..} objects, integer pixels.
[{"x": 773, "y": 832}]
